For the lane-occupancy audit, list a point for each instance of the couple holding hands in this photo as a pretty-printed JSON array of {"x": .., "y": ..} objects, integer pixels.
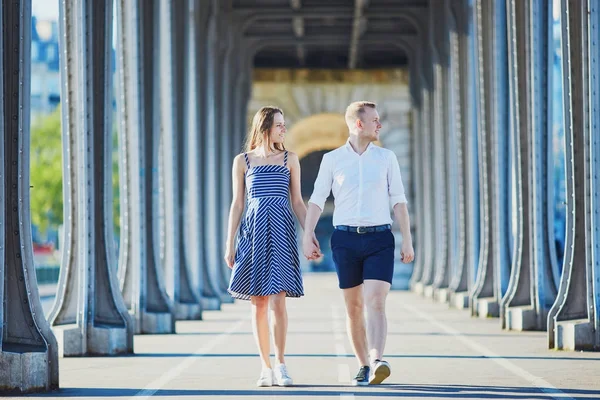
[{"x": 366, "y": 184}]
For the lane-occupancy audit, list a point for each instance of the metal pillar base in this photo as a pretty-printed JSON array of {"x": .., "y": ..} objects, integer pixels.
[
  {"x": 226, "y": 298},
  {"x": 23, "y": 372},
  {"x": 487, "y": 307},
  {"x": 418, "y": 288},
  {"x": 428, "y": 291},
  {"x": 441, "y": 295},
  {"x": 459, "y": 300},
  {"x": 155, "y": 323},
  {"x": 210, "y": 303},
  {"x": 575, "y": 335},
  {"x": 523, "y": 318},
  {"x": 187, "y": 312},
  {"x": 95, "y": 341}
]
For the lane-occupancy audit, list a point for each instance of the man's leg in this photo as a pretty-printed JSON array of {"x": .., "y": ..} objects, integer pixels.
[
  {"x": 375, "y": 297},
  {"x": 355, "y": 323},
  {"x": 378, "y": 273}
]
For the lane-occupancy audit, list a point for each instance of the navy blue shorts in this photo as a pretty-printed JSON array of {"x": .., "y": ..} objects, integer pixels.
[{"x": 360, "y": 256}]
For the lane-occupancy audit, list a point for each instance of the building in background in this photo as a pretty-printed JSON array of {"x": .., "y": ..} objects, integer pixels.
[{"x": 45, "y": 72}]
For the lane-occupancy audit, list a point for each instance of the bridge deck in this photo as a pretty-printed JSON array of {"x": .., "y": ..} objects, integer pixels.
[{"x": 434, "y": 353}]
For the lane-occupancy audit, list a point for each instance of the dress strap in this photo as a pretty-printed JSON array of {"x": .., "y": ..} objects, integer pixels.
[
  {"x": 285, "y": 159},
  {"x": 246, "y": 158}
]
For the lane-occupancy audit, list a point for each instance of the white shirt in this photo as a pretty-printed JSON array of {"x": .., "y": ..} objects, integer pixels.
[{"x": 365, "y": 187}]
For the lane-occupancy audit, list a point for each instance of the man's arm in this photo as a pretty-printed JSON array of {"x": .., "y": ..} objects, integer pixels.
[
  {"x": 316, "y": 203},
  {"x": 399, "y": 205},
  {"x": 401, "y": 214}
]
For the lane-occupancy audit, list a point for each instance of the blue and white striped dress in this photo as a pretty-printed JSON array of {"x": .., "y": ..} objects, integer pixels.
[{"x": 266, "y": 259}]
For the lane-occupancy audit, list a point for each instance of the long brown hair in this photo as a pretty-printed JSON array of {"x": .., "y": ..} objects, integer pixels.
[{"x": 261, "y": 129}]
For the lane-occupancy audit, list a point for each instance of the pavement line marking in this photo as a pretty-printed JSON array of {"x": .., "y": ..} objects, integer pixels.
[
  {"x": 165, "y": 378},
  {"x": 340, "y": 349},
  {"x": 538, "y": 382}
]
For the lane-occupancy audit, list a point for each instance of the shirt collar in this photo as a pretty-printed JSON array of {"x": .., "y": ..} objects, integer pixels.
[{"x": 351, "y": 149}]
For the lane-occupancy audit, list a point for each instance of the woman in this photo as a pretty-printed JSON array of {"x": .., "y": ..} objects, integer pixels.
[{"x": 265, "y": 265}]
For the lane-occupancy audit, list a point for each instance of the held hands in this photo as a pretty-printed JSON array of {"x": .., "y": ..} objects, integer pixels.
[
  {"x": 229, "y": 256},
  {"x": 408, "y": 254},
  {"x": 310, "y": 246}
]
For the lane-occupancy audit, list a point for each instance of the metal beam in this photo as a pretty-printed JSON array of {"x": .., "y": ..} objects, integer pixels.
[
  {"x": 28, "y": 349},
  {"x": 359, "y": 27},
  {"x": 573, "y": 319},
  {"x": 89, "y": 316},
  {"x": 196, "y": 243},
  {"x": 460, "y": 281},
  {"x": 298, "y": 28},
  {"x": 531, "y": 290},
  {"x": 140, "y": 275},
  {"x": 410, "y": 15},
  {"x": 400, "y": 41},
  {"x": 173, "y": 71}
]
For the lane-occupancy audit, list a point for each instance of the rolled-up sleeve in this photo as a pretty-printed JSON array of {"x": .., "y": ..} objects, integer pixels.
[
  {"x": 395, "y": 185},
  {"x": 323, "y": 183}
]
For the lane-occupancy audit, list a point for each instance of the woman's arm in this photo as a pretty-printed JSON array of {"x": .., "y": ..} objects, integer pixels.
[
  {"x": 295, "y": 194},
  {"x": 237, "y": 207}
]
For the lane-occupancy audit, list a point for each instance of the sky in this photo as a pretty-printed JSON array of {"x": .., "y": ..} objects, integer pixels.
[{"x": 45, "y": 9}]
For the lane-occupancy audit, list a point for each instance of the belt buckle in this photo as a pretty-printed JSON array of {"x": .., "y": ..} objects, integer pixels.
[{"x": 359, "y": 231}]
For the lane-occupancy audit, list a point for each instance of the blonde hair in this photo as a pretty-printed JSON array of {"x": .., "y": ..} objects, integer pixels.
[
  {"x": 261, "y": 129},
  {"x": 356, "y": 110}
]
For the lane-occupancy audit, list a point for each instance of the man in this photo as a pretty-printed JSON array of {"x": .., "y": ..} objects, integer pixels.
[{"x": 366, "y": 181}]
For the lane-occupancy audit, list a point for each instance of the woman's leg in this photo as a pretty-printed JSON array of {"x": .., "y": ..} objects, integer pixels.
[
  {"x": 260, "y": 327},
  {"x": 279, "y": 321}
]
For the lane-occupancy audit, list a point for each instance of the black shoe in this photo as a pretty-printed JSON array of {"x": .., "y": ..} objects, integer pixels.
[{"x": 362, "y": 378}]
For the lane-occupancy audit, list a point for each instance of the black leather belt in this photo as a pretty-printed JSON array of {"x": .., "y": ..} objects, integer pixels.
[{"x": 363, "y": 229}]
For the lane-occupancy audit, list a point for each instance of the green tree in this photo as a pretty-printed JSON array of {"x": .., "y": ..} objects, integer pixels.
[
  {"x": 46, "y": 194},
  {"x": 46, "y": 173}
]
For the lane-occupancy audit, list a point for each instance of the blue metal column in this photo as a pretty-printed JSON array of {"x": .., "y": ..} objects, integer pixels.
[
  {"x": 427, "y": 245},
  {"x": 197, "y": 131},
  {"x": 141, "y": 278},
  {"x": 437, "y": 142},
  {"x": 418, "y": 154},
  {"x": 531, "y": 290},
  {"x": 460, "y": 281},
  {"x": 594, "y": 59},
  {"x": 173, "y": 26},
  {"x": 28, "y": 349},
  {"x": 573, "y": 319},
  {"x": 89, "y": 316},
  {"x": 491, "y": 80},
  {"x": 212, "y": 207},
  {"x": 225, "y": 133},
  {"x": 445, "y": 155}
]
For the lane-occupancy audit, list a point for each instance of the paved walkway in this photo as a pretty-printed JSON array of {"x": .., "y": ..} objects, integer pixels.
[{"x": 435, "y": 353}]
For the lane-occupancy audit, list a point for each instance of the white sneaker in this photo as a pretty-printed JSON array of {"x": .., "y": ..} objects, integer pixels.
[
  {"x": 266, "y": 378},
  {"x": 281, "y": 377},
  {"x": 379, "y": 372}
]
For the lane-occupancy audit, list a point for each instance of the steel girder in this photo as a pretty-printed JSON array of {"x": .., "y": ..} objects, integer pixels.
[
  {"x": 438, "y": 43},
  {"x": 89, "y": 316},
  {"x": 140, "y": 274},
  {"x": 573, "y": 319},
  {"x": 173, "y": 72},
  {"x": 490, "y": 39},
  {"x": 461, "y": 275},
  {"x": 531, "y": 289},
  {"x": 27, "y": 343},
  {"x": 212, "y": 191},
  {"x": 443, "y": 276},
  {"x": 424, "y": 274},
  {"x": 197, "y": 136}
]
